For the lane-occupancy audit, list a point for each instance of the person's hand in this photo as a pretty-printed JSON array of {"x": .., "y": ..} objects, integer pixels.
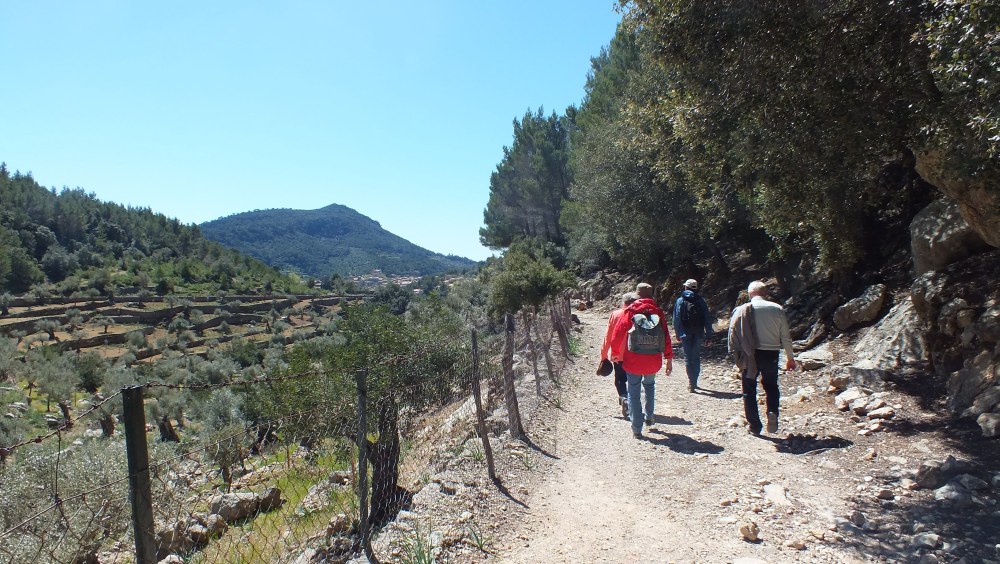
[
  {"x": 790, "y": 364},
  {"x": 668, "y": 366}
]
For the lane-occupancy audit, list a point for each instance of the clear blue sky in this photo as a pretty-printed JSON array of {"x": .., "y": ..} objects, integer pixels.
[{"x": 204, "y": 109}]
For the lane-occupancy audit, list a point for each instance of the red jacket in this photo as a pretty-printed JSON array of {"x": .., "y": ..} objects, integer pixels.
[{"x": 643, "y": 364}]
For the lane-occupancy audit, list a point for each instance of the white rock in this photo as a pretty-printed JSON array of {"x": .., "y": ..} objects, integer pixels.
[
  {"x": 775, "y": 493},
  {"x": 925, "y": 540},
  {"x": 844, "y": 399}
]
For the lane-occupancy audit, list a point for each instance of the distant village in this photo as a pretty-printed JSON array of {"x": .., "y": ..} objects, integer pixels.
[{"x": 377, "y": 278}]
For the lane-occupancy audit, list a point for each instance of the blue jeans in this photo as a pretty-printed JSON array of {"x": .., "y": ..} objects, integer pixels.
[
  {"x": 692, "y": 358},
  {"x": 634, "y": 401}
]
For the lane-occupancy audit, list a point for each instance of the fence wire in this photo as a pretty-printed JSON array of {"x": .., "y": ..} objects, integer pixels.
[{"x": 255, "y": 479}]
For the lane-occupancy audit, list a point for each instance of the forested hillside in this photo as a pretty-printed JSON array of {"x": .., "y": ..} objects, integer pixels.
[
  {"x": 70, "y": 243},
  {"x": 801, "y": 133},
  {"x": 327, "y": 241}
]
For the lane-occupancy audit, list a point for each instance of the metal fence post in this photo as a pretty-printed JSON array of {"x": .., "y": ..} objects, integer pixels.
[
  {"x": 140, "y": 491},
  {"x": 363, "y": 525},
  {"x": 480, "y": 417}
]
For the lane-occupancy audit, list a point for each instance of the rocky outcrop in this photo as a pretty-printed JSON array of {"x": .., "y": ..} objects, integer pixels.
[
  {"x": 960, "y": 306},
  {"x": 863, "y": 309},
  {"x": 896, "y": 341},
  {"x": 939, "y": 236},
  {"x": 978, "y": 200}
]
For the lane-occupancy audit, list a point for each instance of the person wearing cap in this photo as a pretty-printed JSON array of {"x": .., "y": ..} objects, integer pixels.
[
  {"x": 641, "y": 367},
  {"x": 693, "y": 326},
  {"x": 758, "y": 331},
  {"x": 621, "y": 381}
]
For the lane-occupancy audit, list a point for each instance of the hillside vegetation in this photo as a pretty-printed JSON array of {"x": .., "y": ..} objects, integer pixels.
[
  {"x": 70, "y": 243},
  {"x": 805, "y": 134},
  {"x": 327, "y": 241}
]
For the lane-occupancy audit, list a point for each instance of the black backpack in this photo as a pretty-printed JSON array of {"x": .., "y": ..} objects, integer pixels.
[{"x": 692, "y": 316}]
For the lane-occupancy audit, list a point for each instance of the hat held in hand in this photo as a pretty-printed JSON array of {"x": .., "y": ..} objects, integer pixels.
[{"x": 605, "y": 367}]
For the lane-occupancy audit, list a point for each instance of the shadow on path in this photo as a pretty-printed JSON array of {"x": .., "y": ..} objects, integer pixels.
[
  {"x": 530, "y": 444},
  {"x": 503, "y": 489},
  {"x": 670, "y": 420},
  {"x": 683, "y": 443},
  {"x": 807, "y": 444},
  {"x": 718, "y": 394}
]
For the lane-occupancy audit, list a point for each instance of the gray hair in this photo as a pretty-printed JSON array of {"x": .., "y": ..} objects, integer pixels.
[
  {"x": 629, "y": 297},
  {"x": 757, "y": 288}
]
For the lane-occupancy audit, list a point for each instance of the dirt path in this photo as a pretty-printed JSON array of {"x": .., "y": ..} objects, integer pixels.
[{"x": 681, "y": 493}]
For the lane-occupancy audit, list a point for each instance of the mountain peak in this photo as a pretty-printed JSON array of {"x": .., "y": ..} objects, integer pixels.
[{"x": 334, "y": 239}]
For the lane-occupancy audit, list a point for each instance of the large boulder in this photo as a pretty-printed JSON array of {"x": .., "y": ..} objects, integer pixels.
[
  {"x": 987, "y": 327},
  {"x": 862, "y": 309},
  {"x": 977, "y": 376},
  {"x": 990, "y": 424},
  {"x": 939, "y": 236},
  {"x": 234, "y": 507},
  {"x": 897, "y": 340},
  {"x": 984, "y": 403},
  {"x": 978, "y": 200},
  {"x": 814, "y": 359}
]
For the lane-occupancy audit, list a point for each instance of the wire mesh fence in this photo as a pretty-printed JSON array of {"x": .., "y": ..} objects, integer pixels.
[{"x": 315, "y": 466}]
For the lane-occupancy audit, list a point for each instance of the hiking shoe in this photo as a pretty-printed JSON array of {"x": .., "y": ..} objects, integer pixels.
[
  {"x": 754, "y": 432},
  {"x": 692, "y": 388},
  {"x": 772, "y": 422},
  {"x": 637, "y": 435},
  {"x": 649, "y": 421},
  {"x": 624, "y": 404}
]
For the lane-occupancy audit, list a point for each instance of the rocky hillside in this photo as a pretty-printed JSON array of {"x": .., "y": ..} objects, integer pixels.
[{"x": 331, "y": 240}]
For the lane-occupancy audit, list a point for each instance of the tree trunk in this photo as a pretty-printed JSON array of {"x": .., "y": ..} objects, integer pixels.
[
  {"x": 167, "y": 431},
  {"x": 64, "y": 408},
  {"x": 227, "y": 477},
  {"x": 108, "y": 424},
  {"x": 383, "y": 456}
]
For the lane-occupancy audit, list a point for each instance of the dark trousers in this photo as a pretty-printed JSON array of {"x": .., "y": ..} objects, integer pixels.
[
  {"x": 767, "y": 367},
  {"x": 621, "y": 382}
]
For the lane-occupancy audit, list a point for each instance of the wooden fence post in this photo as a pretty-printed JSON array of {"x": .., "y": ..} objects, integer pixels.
[
  {"x": 480, "y": 416},
  {"x": 366, "y": 544},
  {"x": 140, "y": 491},
  {"x": 559, "y": 323},
  {"x": 525, "y": 317},
  {"x": 510, "y": 387}
]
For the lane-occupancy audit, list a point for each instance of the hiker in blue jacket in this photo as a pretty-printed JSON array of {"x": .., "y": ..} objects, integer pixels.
[{"x": 693, "y": 325}]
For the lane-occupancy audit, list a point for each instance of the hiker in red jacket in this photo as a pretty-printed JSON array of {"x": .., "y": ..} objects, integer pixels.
[
  {"x": 621, "y": 381},
  {"x": 641, "y": 340}
]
